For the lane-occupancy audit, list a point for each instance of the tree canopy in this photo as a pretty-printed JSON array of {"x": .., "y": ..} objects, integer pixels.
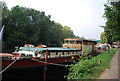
[
  {"x": 26, "y": 25},
  {"x": 112, "y": 27},
  {"x": 103, "y": 37}
]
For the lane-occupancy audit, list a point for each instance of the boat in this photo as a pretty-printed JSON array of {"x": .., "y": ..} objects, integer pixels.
[
  {"x": 24, "y": 62},
  {"x": 30, "y": 62},
  {"x": 26, "y": 57}
]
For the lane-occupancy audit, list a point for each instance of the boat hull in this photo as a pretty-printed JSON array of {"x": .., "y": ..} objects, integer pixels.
[
  {"x": 36, "y": 73},
  {"x": 23, "y": 70},
  {"x": 22, "y": 63}
]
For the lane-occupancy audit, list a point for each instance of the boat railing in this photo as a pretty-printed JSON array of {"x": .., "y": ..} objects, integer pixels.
[{"x": 59, "y": 54}]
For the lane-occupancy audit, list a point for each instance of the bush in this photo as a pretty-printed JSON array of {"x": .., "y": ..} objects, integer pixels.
[{"x": 90, "y": 68}]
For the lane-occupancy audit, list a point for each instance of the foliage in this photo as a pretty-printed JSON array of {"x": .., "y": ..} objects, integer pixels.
[
  {"x": 67, "y": 32},
  {"x": 26, "y": 25},
  {"x": 90, "y": 68},
  {"x": 112, "y": 14},
  {"x": 103, "y": 37}
]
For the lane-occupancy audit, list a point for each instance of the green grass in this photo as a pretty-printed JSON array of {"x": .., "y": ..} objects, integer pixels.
[{"x": 90, "y": 68}]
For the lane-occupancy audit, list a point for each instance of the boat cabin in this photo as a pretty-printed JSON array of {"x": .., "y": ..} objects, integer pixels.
[{"x": 81, "y": 44}]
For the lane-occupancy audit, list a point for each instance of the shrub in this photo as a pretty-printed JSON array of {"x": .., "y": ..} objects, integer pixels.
[{"x": 90, "y": 68}]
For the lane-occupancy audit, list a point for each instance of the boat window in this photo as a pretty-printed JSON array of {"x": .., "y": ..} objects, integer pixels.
[
  {"x": 22, "y": 55},
  {"x": 78, "y": 42},
  {"x": 66, "y": 41},
  {"x": 72, "y": 42}
]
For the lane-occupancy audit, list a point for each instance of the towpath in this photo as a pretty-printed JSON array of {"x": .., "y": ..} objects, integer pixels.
[{"x": 112, "y": 74}]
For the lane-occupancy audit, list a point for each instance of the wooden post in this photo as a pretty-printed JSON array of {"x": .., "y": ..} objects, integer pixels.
[{"x": 45, "y": 68}]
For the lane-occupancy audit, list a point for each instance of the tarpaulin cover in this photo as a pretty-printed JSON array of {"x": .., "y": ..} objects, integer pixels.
[{"x": 50, "y": 49}]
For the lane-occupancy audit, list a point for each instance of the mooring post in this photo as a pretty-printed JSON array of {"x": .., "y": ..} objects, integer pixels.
[{"x": 45, "y": 68}]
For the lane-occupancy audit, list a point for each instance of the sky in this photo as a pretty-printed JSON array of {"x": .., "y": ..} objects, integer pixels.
[{"x": 84, "y": 17}]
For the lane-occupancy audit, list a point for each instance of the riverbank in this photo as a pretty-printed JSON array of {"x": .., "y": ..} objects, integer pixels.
[{"x": 91, "y": 68}]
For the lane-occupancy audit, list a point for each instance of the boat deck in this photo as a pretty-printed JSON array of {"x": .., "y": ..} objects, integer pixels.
[
  {"x": 50, "y": 49},
  {"x": 53, "y": 52}
]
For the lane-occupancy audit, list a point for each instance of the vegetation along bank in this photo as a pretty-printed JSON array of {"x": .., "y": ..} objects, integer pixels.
[{"x": 91, "y": 68}]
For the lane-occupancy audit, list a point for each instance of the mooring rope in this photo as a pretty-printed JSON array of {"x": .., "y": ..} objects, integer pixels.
[
  {"x": 50, "y": 63},
  {"x": 8, "y": 66}
]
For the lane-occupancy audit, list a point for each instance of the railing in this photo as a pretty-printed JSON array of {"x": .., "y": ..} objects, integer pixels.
[{"x": 59, "y": 54}]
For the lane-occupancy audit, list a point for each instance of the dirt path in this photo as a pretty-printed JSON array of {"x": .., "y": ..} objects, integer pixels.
[{"x": 113, "y": 72}]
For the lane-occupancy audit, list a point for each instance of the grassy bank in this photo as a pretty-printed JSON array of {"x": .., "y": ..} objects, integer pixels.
[{"x": 91, "y": 68}]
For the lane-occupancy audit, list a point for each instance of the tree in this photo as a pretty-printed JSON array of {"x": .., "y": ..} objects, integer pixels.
[
  {"x": 67, "y": 32},
  {"x": 55, "y": 34},
  {"x": 26, "y": 25},
  {"x": 112, "y": 14},
  {"x": 103, "y": 37},
  {"x": 3, "y": 18}
]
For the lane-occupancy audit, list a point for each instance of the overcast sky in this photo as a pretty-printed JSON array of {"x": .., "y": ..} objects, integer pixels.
[{"x": 84, "y": 17}]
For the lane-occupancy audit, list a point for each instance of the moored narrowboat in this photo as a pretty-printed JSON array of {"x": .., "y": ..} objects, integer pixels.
[{"x": 28, "y": 62}]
